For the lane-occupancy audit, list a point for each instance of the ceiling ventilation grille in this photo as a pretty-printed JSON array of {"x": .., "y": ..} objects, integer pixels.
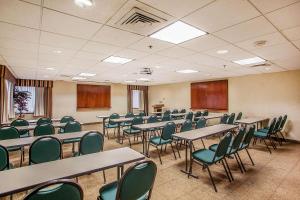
[{"x": 146, "y": 71}]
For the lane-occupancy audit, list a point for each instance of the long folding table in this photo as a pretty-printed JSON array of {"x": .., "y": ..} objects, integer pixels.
[
  {"x": 252, "y": 120},
  {"x": 197, "y": 134},
  {"x": 25, "y": 178},
  {"x": 32, "y": 126},
  {"x": 30, "y": 121}
]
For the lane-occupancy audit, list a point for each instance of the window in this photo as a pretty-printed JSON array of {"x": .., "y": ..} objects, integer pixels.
[
  {"x": 137, "y": 99},
  {"x": 31, "y": 101}
]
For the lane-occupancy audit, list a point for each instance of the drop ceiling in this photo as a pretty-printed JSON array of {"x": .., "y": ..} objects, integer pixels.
[{"x": 57, "y": 34}]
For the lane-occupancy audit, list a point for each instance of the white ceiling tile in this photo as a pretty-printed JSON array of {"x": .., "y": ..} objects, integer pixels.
[
  {"x": 287, "y": 17},
  {"x": 68, "y": 25},
  {"x": 97, "y": 47},
  {"x": 203, "y": 59},
  {"x": 61, "y": 41},
  {"x": 29, "y": 54},
  {"x": 129, "y": 53},
  {"x": 44, "y": 49},
  {"x": 146, "y": 43},
  {"x": 244, "y": 31},
  {"x": 289, "y": 62},
  {"x": 21, "y": 62},
  {"x": 101, "y": 11},
  {"x": 269, "y": 69},
  {"x": 271, "y": 39},
  {"x": 176, "y": 52},
  {"x": 234, "y": 53},
  {"x": 266, "y": 6},
  {"x": 177, "y": 8},
  {"x": 20, "y": 13},
  {"x": 81, "y": 63},
  {"x": 203, "y": 43},
  {"x": 275, "y": 52},
  {"x": 18, "y": 45},
  {"x": 221, "y": 14},
  {"x": 297, "y": 43},
  {"x": 116, "y": 36},
  {"x": 38, "y": 2},
  {"x": 90, "y": 56},
  {"x": 292, "y": 33},
  {"x": 151, "y": 59}
]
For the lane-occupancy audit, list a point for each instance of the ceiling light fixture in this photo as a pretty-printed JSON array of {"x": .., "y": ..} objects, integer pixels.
[
  {"x": 178, "y": 32},
  {"x": 87, "y": 74},
  {"x": 57, "y": 51},
  {"x": 83, "y": 3},
  {"x": 157, "y": 67},
  {"x": 117, "y": 60},
  {"x": 78, "y": 78},
  {"x": 223, "y": 51},
  {"x": 50, "y": 68},
  {"x": 186, "y": 71},
  {"x": 248, "y": 61}
]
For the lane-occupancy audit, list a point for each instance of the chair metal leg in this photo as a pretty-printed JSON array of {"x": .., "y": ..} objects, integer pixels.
[
  {"x": 242, "y": 164},
  {"x": 104, "y": 177},
  {"x": 267, "y": 146},
  {"x": 249, "y": 156},
  {"x": 159, "y": 155},
  {"x": 228, "y": 169},
  {"x": 227, "y": 174},
  {"x": 282, "y": 136},
  {"x": 177, "y": 150},
  {"x": 203, "y": 143},
  {"x": 173, "y": 151},
  {"x": 240, "y": 167},
  {"x": 191, "y": 167},
  {"x": 129, "y": 141},
  {"x": 212, "y": 180},
  {"x": 21, "y": 159}
]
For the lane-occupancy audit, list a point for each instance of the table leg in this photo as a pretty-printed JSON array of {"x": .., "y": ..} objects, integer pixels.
[
  {"x": 120, "y": 170},
  {"x": 119, "y": 134},
  {"x": 190, "y": 146},
  {"x": 103, "y": 125}
]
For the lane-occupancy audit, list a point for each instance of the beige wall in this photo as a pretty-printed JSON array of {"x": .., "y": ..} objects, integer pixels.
[
  {"x": 64, "y": 102},
  {"x": 267, "y": 95}
]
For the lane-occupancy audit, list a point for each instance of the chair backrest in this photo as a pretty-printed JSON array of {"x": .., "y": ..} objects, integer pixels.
[
  {"x": 248, "y": 137},
  {"x": 183, "y": 110},
  {"x": 9, "y": 133},
  {"x": 237, "y": 141},
  {"x": 44, "y": 129},
  {"x": 113, "y": 116},
  {"x": 222, "y": 147},
  {"x": 43, "y": 120},
  {"x": 19, "y": 122},
  {"x": 205, "y": 113},
  {"x": 137, "y": 181},
  {"x": 152, "y": 119},
  {"x": 66, "y": 119},
  {"x": 166, "y": 117},
  {"x": 231, "y": 118},
  {"x": 186, "y": 126},
  {"x": 189, "y": 116},
  {"x": 239, "y": 116},
  {"x": 224, "y": 119},
  {"x": 201, "y": 123},
  {"x": 277, "y": 125},
  {"x": 91, "y": 142},
  {"x": 272, "y": 126},
  {"x": 56, "y": 190},
  {"x": 283, "y": 122},
  {"x": 44, "y": 149},
  {"x": 198, "y": 114},
  {"x": 142, "y": 114},
  {"x": 167, "y": 112},
  {"x": 72, "y": 127},
  {"x": 168, "y": 130},
  {"x": 129, "y": 115},
  {"x": 137, "y": 120},
  {"x": 4, "y": 158},
  {"x": 175, "y": 111}
]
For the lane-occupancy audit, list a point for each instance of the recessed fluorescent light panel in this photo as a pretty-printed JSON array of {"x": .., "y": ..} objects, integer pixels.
[
  {"x": 143, "y": 79},
  {"x": 78, "y": 78},
  {"x": 50, "y": 68},
  {"x": 87, "y": 74},
  {"x": 130, "y": 81},
  {"x": 177, "y": 32},
  {"x": 187, "y": 71},
  {"x": 223, "y": 51},
  {"x": 83, "y": 3},
  {"x": 117, "y": 60},
  {"x": 249, "y": 61}
]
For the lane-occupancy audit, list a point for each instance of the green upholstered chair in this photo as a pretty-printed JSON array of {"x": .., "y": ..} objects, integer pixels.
[
  {"x": 233, "y": 149},
  {"x": 167, "y": 112},
  {"x": 183, "y": 110},
  {"x": 21, "y": 122},
  {"x": 164, "y": 139},
  {"x": 65, "y": 119},
  {"x": 153, "y": 119},
  {"x": 189, "y": 116},
  {"x": 205, "y": 113},
  {"x": 186, "y": 126},
  {"x": 44, "y": 129},
  {"x": 246, "y": 142},
  {"x": 132, "y": 131},
  {"x": 128, "y": 115},
  {"x": 207, "y": 157},
  {"x": 7, "y": 133},
  {"x": 276, "y": 129},
  {"x": 224, "y": 119},
  {"x": 62, "y": 189},
  {"x": 239, "y": 116},
  {"x": 44, "y": 120},
  {"x": 283, "y": 122},
  {"x": 201, "y": 123},
  {"x": 266, "y": 135},
  {"x": 197, "y": 115},
  {"x": 4, "y": 159},
  {"x": 91, "y": 142},
  {"x": 175, "y": 111},
  {"x": 166, "y": 117},
  {"x": 72, "y": 127},
  {"x": 111, "y": 124},
  {"x": 136, "y": 183},
  {"x": 142, "y": 114},
  {"x": 45, "y": 149},
  {"x": 231, "y": 118}
]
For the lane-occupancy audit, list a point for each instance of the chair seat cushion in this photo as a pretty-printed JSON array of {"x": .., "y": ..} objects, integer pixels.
[
  {"x": 204, "y": 155},
  {"x": 132, "y": 131},
  {"x": 109, "y": 191},
  {"x": 111, "y": 126},
  {"x": 67, "y": 141},
  {"x": 159, "y": 141},
  {"x": 213, "y": 147},
  {"x": 260, "y": 134},
  {"x": 264, "y": 130}
]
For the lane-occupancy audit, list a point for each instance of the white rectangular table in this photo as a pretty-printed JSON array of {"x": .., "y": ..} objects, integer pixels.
[
  {"x": 25, "y": 178},
  {"x": 32, "y": 126},
  {"x": 30, "y": 121},
  {"x": 252, "y": 120}
]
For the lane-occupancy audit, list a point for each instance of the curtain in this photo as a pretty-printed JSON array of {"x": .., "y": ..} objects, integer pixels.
[
  {"x": 144, "y": 93},
  {"x": 39, "y": 109},
  {"x": 10, "y": 99},
  {"x": 48, "y": 101}
]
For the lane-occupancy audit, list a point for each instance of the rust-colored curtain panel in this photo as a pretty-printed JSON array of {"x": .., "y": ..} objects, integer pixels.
[
  {"x": 145, "y": 96},
  {"x": 48, "y": 102}
]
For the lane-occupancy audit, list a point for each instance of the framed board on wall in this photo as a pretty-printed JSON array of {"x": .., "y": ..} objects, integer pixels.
[
  {"x": 212, "y": 95},
  {"x": 93, "y": 96}
]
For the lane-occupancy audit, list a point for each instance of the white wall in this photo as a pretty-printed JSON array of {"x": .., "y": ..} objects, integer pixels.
[{"x": 64, "y": 102}]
